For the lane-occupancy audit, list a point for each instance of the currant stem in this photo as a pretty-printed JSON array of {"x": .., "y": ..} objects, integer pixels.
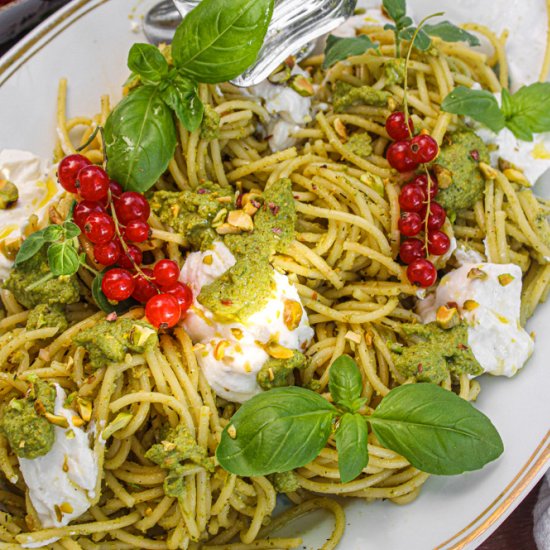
[{"x": 428, "y": 208}]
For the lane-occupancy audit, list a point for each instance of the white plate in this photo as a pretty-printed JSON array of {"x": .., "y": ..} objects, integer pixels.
[{"x": 87, "y": 42}]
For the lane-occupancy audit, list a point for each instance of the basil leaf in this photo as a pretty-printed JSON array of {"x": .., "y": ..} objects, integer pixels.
[
  {"x": 63, "y": 259},
  {"x": 480, "y": 105},
  {"x": 451, "y": 33},
  {"x": 435, "y": 430},
  {"x": 31, "y": 246},
  {"x": 147, "y": 61},
  {"x": 345, "y": 382},
  {"x": 71, "y": 230},
  {"x": 528, "y": 110},
  {"x": 53, "y": 233},
  {"x": 219, "y": 39},
  {"x": 421, "y": 42},
  {"x": 338, "y": 49},
  {"x": 276, "y": 431},
  {"x": 351, "y": 444},
  {"x": 182, "y": 96},
  {"x": 140, "y": 139},
  {"x": 396, "y": 9}
]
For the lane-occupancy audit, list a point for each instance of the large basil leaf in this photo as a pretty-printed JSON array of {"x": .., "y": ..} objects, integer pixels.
[
  {"x": 435, "y": 430},
  {"x": 147, "y": 61},
  {"x": 338, "y": 49},
  {"x": 396, "y": 9},
  {"x": 276, "y": 431},
  {"x": 182, "y": 96},
  {"x": 351, "y": 444},
  {"x": 450, "y": 33},
  {"x": 480, "y": 105},
  {"x": 219, "y": 39},
  {"x": 140, "y": 138},
  {"x": 63, "y": 259},
  {"x": 345, "y": 383},
  {"x": 421, "y": 41}
]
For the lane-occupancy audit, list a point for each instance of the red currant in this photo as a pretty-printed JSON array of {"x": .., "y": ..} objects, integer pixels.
[
  {"x": 424, "y": 148},
  {"x": 396, "y": 126},
  {"x": 116, "y": 189},
  {"x": 107, "y": 253},
  {"x": 83, "y": 209},
  {"x": 399, "y": 156},
  {"x": 438, "y": 243},
  {"x": 68, "y": 170},
  {"x": 411, "y": 198},
  {"x": 117, "y": 284},
  {"x": 422, "y": 182},
  {"x": 422, "y": 273},
  {"x": 93, "y": 183},
  {"x": 99, "y": 227},
  {"x": 137, "y": 231},
  {"x": 166, "y": 273},
  {"x": 410, "y": 223},
  {"x": 411, "y": 250},
  {"x": 132, "y": 206},
  {"x": 163, "y": 311},
  {"x": 437, "y": 216},
  {"x": 182, "y": 293},
  {"x": 145, "y": 288},
  {"x": 129, "y": 259}
]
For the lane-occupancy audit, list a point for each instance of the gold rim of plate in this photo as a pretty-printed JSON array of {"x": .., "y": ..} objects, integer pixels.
[{"x": 530, "y": 472}]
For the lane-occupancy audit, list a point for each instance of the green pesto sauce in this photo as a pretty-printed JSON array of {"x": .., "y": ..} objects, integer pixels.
[
  {"x": 60, "y": 290},
  {"x": 44, "y": 315},
  {"x": 247, "y": 286},
  {"x": 210, "y": 125},
  {"x": 191, "y": 213},
  {"x": 29, "y": 434},
  {"x": 360, "y": 144},
  {"x": 432, "y": 353},
  {"x": 457, "y": 156},
  {"x": 394, "y": 71},
  {"x": 110, "y": 341},
  {"x": 177, "y": 452},
  {"x": 276, "y": 373},
  {"x": 345, "y": 95},
  {"x": 285, "y": 482}
]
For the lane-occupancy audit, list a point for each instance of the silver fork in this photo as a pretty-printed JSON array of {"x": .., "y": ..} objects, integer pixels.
[{"x": 295, "y": 25}]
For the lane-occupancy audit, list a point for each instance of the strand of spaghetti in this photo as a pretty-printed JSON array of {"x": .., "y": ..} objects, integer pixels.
[
  {"x": 392, "y": 266},
  {"x": 62, "y": 132},
  {"x": 262, "y": 164},
  {"x": 23, "y": 338},
  {"x": 351, "y": 316},
  {"x": 299, "y": 250},
  {"x": 543, "y": 75}
]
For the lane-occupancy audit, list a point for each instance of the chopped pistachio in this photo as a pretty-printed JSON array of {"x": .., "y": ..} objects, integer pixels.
[
  {"x": 488, "y": 171},
  {"x": 292, "y": 314},
  {"x": 340, "y": 128},
  {"x": 8, "y": 194},
  {"x": 353, "y": 336},
  {"x": 505, "y": 279},
  {"x": 447, "y": 317},
  {"x": 516, "y": 176},
  {"x": 219, "y": 349},
  {"x": 277, "y": 351},
  {"x": 281, "y": 74},
  {"x": 121, "y": 421},
  {"x": 227, "y": 229},
  {"x": 444, "y": 176},
  {"x": 208, "y": 259},
  {"x": 232, "y": 431},
  {"x": 240, "y": 219},
  {"x": 470, "y": 305},
  {"x": 56, "y": 420},
  {"x": 477, "y": 273},
  {"x": 302, "y": 85}
]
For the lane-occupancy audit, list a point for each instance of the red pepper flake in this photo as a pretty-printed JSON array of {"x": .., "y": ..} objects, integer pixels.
[
  {"x": 463, "y": 346},
  {"x": 226, "y": 302},
  {"x": 202, "y": 191},
  {"x": 274, "y": 208},
  {"x": 314, "y": 187},
  {"x": 475, "y": 154},
  {"x": 239, "y": 200},
  {"x": 277, "y": 230},
  {"x": 112, "y": 317},
  {"x": 255, "y": 203},
  {"x": 450, "y": 305},
  {"x": 420, "y": 368}
]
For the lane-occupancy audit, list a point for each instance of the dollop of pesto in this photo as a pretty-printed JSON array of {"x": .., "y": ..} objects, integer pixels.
[
  {"x": 44, "y": 315},
  {"x": 458, "y": 161},
  {"x": 247, "y": 286},
  {"x": 59, "y": 290},
  {"x": 177, "y": 452},
  {"x": 360, "y": 144},
  {"x": 210, "y": 125},
  {"x": 276, "y": 373},
  {"x": 432, "y": 353},
  {"x": 394, "y": 71},
  {"x": 285, "y": 482},
  {"x": 23, "y": 423},
  {"x": 345, "y": 95},
  {"x": 193, "y": 213},
  {"x": 110, "y": 341}
]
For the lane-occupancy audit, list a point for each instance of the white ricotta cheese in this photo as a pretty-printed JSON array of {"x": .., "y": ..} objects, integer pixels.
[
  {"x": 495, "y": 335},
  {"x": 37, "y": 190},
  {"x": 65, "y": 477},
  {"x": 231, "y": 354}
]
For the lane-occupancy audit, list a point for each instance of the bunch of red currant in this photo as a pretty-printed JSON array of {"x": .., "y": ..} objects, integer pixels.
[
  {"x": 419, "y": 211},
  {"x": 165, "y": 297}
]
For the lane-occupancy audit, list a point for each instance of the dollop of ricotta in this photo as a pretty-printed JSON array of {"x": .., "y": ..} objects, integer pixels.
[
  {"x": 62, "y": 482},
  {"x": 232, "y": 354},
  {"x": 488, "y": 297},
  {"x": 37, "y": 190},
  {"x": 288, "y": 109}
]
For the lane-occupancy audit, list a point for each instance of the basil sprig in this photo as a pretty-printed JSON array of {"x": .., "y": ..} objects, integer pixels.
[
  {"x": 524, "y": 113},
  {"x": 215, "y": 42},
  {"x": 338, "y": 49},
  {"x": 405, "y": 30},
  {"x": 285, "y": 428}
]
